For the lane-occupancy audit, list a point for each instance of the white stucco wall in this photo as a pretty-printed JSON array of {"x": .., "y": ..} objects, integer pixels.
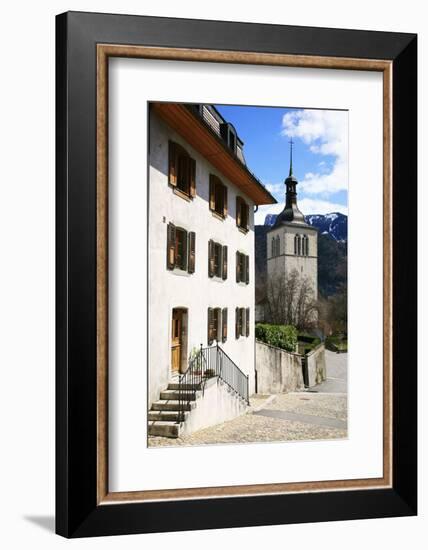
[
  {"x": 287, "y": 260},
  {"x": 196, "y": 292},
  {"x": 217, "y": 405}
]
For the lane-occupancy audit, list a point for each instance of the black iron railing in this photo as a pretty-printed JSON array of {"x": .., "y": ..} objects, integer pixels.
[{"x": 209, "y": 363}]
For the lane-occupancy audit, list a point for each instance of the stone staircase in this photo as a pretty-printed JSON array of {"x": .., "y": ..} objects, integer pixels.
[{"x": 164, "y": 413}]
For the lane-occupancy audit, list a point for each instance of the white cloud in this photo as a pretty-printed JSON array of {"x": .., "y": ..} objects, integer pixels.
[
  {"x": 314, "y": 206},
  {"x": 326, "y": 133},
  {"x": 263, "y": 211},
  {"x": 275, "y": 188}
]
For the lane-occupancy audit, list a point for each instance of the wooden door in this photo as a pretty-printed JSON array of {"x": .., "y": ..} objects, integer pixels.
[{"x": 176, "y": 343}]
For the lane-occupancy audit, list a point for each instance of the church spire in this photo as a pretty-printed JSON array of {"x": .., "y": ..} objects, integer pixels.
[
  {"x": 291, "y": 142},
  {"x": 291, "y": 212}
]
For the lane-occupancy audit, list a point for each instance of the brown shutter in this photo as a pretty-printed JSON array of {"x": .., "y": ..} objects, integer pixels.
[
  {"x": 247, "y": 269},
  {"x": 247, "y": 211},
  {"x": 210, "y": 325},
  {"x": 170, "y": 247},
  {"x": 210, "y": 258},
  {"x": 224, "y": 201},
  {"x": 238, "y": 267},
  {"x": 192, "y": 168},
  {"x": 224, "y": 325},
  {"x": 184, "y": 256},
  {"x": 238, "y": 211},
  {"x": 237, "y": 330},
  {"x": 247, "y": 321},
  {"x": 192, "y": 242},
  {"x": 224, "y": 272},
  {"x": 212, "y": 192},
  {"x": 172, "y": 161},
  {"x": 219, "y": 267}
]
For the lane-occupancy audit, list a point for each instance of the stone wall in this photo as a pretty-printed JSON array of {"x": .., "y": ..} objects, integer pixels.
[
  {"x": 316, "y": 368},
  {"x": 277, "y": 370},
  {"x": 218, "y": 404}
]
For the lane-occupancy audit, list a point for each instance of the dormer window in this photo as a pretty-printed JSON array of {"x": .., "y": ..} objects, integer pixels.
[
  {"x": 182, "y": 170},
  {"x": 228, "y": 133}
]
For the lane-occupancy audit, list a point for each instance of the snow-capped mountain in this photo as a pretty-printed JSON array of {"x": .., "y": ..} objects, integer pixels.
[{"x": 334, "y": 224}]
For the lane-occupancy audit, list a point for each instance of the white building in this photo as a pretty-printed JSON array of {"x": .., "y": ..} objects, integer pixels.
[
  {"x": 292, "y": 244},
  {"x": 201, "y": 263}
]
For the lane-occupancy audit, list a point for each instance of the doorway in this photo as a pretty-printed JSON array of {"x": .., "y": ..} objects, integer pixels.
[{"x": 178, "y": 340}]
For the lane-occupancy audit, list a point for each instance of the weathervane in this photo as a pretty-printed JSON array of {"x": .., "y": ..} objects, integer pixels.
[{"x": 291, "y": 142}]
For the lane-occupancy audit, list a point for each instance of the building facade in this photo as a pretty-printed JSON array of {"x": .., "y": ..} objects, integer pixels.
[{"x": 201, "y": 242}]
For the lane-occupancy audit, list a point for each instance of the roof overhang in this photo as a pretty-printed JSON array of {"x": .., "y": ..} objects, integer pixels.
[{"x": 193, "y": 129}]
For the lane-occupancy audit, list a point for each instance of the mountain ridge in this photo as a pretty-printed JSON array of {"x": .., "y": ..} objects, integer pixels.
[{"x": 334, "y": 224}]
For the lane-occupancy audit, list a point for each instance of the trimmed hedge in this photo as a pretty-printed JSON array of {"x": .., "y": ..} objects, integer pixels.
[{"x": 280, "y": 336}]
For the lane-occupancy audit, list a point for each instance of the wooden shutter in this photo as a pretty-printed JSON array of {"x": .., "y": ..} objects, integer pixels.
[
  {"x": 212, "y": 192},
  {"x": 210, "y": 325},
  {"x": 237, "y": 329},
  {"x": 247, "y": 212},
  {"x": 224, "y": 201},
  {"x": 247, "y": 321},
  {"x": 192, "y": 243},
  {"x": 241, "y": 321},
  {"x": 224, "y": 271},
  {"x": 185, "y": 248},
  {"x": 238, "y": 267},
  {"x": 219, "y": 266},
  {"x": 210, "y": 258},
  {"x": 172, "y": 162},
  {"x": 170, "y": 247},
  {"x": 247, "y": 269},
  {"x": 238, "y": 211},
  {"x": 224, "y": 325},
  {"x": 192, "y": 168}
]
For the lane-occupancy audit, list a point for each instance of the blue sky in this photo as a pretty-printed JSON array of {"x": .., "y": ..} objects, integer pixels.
[{"x": 320, "y": 154}]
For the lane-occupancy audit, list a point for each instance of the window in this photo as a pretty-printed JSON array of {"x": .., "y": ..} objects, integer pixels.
[
  {"x": 228, "y": 133},
  {"x": 217, "y": 324},
  {"x": 182, "y": 170},
  {"x": 180, "y": 248},
  {"x": 305, "y": 248},
  {"x": 242, "y": 268},
  {"x": 278, "y": 246},
  {"x": 217, "y": 260},
  {"x": 218, "y": 196},
  {"x": 242, "y": 321},
  {"x": 242, "y": 214},
  {"x": 273, "y": 247},
  {"x": 299, "y": 245}
]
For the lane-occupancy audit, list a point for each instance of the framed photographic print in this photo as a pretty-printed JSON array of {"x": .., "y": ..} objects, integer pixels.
[{"x": 236, "y": 274}]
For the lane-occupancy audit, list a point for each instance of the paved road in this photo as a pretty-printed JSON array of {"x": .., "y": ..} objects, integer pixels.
[{"x": 337, "y": 374}]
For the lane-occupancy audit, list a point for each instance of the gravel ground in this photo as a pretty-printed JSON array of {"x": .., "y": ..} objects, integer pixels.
[
  {"x": 317, "y": 404},
  {"x": 250, "y": 428},
  {"x": 329, "y": 401}
]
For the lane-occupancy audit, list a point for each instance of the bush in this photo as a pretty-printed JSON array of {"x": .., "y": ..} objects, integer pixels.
[
  {"x": 337, "y": 343},
  {"x": 280, "y": 336}
]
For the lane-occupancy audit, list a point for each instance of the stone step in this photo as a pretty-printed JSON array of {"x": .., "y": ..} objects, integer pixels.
[
  {"x": 188, "y": 395},
  {"x": 164, "y": 428},
  {"x": 176, "y": 386},
  {"x": 165, "y": 415},
  {"x": 172, "y": 405}
]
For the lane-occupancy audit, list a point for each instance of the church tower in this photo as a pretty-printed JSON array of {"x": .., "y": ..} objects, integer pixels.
[{"x": 291, "y": 242}]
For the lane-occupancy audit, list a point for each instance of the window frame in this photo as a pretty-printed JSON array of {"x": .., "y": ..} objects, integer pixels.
[{"x": 176, "y": 155}]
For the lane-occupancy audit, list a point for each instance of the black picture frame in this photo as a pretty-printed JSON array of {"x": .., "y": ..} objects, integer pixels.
[{"x": 77, "y": 511}]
